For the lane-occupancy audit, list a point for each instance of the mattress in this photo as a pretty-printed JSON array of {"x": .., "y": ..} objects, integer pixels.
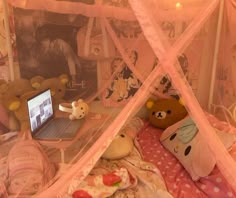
[{"x": 177, "y": 179}]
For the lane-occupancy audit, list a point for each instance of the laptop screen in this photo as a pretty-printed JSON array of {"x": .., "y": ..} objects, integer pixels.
[{"x": 40, "y": 109}]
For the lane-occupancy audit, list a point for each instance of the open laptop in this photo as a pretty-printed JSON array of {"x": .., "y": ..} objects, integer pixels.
[{"x": 43, "y": 123}]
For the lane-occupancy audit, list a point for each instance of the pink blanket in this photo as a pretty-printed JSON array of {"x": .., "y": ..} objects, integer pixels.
[
  {"x": 178, "y": 181},
  {"x": 127, "y": 177}
]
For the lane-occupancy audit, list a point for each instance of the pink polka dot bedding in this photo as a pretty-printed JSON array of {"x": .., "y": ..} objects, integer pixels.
[{"x": 178, "y": 181}]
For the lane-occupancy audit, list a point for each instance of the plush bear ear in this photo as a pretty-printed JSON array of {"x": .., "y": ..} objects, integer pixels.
[
  {"x": 74, "y": 104},
  {"x": 64, "y": 78},
  {"x": 80, "y": 100},
  {"x": 149, "y": 103},
  {"x": 181, "y": 101}
]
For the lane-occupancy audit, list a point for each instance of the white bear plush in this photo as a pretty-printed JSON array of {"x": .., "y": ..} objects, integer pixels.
[{"x": 77, "y": 109}]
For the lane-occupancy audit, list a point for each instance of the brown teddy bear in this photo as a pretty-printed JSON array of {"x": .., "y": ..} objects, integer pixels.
[
  {"x": 15, "y": 103},
  {"x": 14, "y": 90},
  {"x": 57, "y": 87},
  {"x": 163, "y": 113},
  {"x": 21, "y": 113},
  {"x": 3, "y": 88},
  {"x": 15, "y": 94},
  {"x": 36, "y": 82}
]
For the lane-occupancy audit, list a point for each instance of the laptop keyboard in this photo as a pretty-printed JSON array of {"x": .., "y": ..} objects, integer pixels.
[{"x": 60, "y": 128}]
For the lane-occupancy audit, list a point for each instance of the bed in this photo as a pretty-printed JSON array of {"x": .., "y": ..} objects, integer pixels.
[
  {"x": 151, "y": 168},
  {"x": 177, "y": 179}
]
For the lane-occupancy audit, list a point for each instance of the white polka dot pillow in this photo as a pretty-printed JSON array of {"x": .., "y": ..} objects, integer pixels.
[{"x": 184, "y": 142}]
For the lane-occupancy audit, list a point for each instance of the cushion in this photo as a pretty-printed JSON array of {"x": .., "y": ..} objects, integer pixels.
[
  {"x": 185, "y": 143},
  {"x": 29, "y": 168}
]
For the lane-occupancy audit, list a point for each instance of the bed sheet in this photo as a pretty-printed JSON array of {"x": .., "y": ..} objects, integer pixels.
[
  {"x": 177, "y": 180},
  {"x": 127, "y": 177}
]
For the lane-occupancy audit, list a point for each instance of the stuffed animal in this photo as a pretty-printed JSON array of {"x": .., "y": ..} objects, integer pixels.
[
  {"x": 36, "y": 82},
  {"x": 4, "y": 120},
  {"x": 15, "y": 94},
  {"x": 21, "y": 113},
  {"x": 13, "y": 90},
  {"x": 57, "y": 87},
  {"x": 4, "y": 117},
  {"x": 77, "y": 109},
  {"x": 3, "y": 88},
  {"x": 163, "y": 113},
  {"x": 15, "y": 103},
  {"x": 123, "y": 143},
  {"x": 120, "y": 147}
]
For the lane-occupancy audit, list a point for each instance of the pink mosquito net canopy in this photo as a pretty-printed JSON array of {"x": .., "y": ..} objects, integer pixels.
[{"x": 117, "y": 54}]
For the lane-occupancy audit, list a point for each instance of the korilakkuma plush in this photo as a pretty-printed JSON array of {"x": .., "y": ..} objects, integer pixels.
[
  {"x": 163, "y": 113},
  {"x": 77, "y": 109}
]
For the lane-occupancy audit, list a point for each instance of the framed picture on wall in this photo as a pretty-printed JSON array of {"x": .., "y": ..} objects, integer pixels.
[{"x": 47, "y": 46}]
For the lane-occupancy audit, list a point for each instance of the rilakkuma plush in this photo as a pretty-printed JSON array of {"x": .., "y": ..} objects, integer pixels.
[
  {"x": 163, "y": 113},
  {"x": 36, "y": 81},
  {"x": 4, "y": 117},
  {"x": 4, "y": 120},
  {"x": 77, "y": 109},
  {"x": 12, "y": 101},
  {"x": 21, "y": 113},
  {"x": 14, "y": 90},
  {"x": 57, "y": 87},
  {"x": 3, "y": 88}
]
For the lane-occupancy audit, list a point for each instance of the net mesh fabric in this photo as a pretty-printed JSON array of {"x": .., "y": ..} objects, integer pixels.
[{"x": 179, "y": 41}]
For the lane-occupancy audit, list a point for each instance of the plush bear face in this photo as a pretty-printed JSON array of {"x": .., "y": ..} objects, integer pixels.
[
  {"x": 165, "y": 112},
  {"x": 15, "y": 89},
  {"x": 12, "y": 99},
  {"x": 79, "y": 109}
]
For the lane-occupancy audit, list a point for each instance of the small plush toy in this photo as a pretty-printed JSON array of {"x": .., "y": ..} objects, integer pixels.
[
  {"x": 77, "y": 109},
  {"x": 21, "y": 112},
  {"x": 14, "y": 90},
  {"x": 57, "y": 87},
  {"x": 163, "y": 113},
  {"x": 3, "y": 88},
  {"x": 120, "y": 147},
  {"x": 123, "y": 144},
  {"x": 36, "y": 82},
  {"x": 16, "y": 105}
]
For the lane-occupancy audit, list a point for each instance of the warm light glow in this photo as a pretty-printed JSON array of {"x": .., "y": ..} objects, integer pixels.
[{"x": 178, "y": 5}]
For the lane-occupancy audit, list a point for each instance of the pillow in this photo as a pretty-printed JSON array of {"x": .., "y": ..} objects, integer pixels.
[{"x": 184, "y": 142}]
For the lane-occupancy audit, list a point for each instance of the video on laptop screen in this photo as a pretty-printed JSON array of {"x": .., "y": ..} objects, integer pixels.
[{"x": 40, "y": 109}]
